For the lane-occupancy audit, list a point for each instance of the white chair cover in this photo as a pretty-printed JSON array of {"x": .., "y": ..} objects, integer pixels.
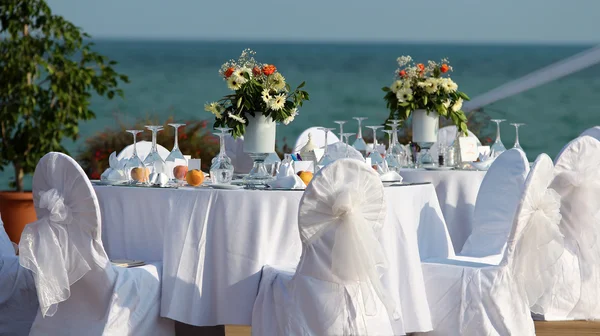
[
  {"x": 78, "y": 289},
  {"x": 578, "y": 182},
  {"x": 471, "y": 297},
  {"x": 18, "y": 299},
  {"x": 339, "y": 150},
  {"x": 143, "y": 149},
  {"x": 6, "y": 246},
  {"x": 594, "y": 132},
  {"x": 242, "y": 162},
  {"x": 496, "y": 203},
  {"x": 336, "y": 289},
  {"x": 446, "y": 136},
  {"x": 318, "y": 138}
]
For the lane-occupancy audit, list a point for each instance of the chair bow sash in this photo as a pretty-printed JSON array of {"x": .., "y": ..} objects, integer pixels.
[{"x": 46, "y": 250}]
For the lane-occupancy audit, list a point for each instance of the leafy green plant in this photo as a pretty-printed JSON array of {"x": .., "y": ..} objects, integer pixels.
[
  {"x": 258, "y": 88},
  {"x": 48, "y": 73}
]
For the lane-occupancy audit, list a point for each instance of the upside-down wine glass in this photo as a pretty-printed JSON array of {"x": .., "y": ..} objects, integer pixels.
[
  {"x": 517, "y": 144},
  {"x": 326, "y": 159},
  {"x": 347, "y": 136},
  {"x": 391, "y": 160},
  {"x": 134, "y": 161},
  {"x": 397, "y": 150},
  {"x": 221, "y": 169},
  {"x": 341, "y": 123},
  {"x": 360, "y": 144},
  {"x": 153, "y": 160},
  {"x": 175, "y": 156},
  {"x": 498, "y": 147},
  {"x": 375, "y": 156}
]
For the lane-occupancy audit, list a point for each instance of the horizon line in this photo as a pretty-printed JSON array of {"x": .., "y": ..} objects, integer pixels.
[{"x": 345, "y": 41}]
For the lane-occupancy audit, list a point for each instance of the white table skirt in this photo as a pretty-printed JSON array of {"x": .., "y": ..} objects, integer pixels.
[
  {"x": 457, "y": 191},
  {"x": 214, "y": 243}
]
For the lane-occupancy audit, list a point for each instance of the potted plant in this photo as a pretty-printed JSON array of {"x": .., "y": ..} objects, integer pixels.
[
  {"x": 261, "y": 97},
  {"x": 426, "y": 92},
  {"x": 49, "y": 73}
]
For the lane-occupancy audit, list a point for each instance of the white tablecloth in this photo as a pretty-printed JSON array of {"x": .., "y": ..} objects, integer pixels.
[
  {"x": 214, "y": 243},
  {"x": 457, "y": 191}
]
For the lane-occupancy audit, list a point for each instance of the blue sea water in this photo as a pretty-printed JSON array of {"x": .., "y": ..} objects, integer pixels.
[{"x": 344, "y": 80}]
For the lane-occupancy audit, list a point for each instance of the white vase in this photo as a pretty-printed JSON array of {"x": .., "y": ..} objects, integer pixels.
[
  {"x": 425, "y": 126},
  {"x": 260, "y": 134}
]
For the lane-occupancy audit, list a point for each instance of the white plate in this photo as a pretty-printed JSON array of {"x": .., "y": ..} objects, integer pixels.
[
  {"x": 225, "y": 186},
  {"x": 438, "y": 168}
]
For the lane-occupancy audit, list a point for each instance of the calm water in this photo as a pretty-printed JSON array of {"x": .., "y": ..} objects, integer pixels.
[{"x": 345, "y": 80}]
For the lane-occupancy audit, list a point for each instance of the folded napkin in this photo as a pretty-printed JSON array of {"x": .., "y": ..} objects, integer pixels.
[
  {"x": 116, "y": 171},
  {"x": 160, "y": 179},
  {"x": 390, "y": 176},
  {"x": 287, "y": 178}
]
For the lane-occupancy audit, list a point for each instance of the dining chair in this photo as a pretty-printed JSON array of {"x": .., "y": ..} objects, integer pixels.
[
  {"x": 468, "y": 296},
  {"x": 79, "y": 291},
  {"x": 496, "y": 204},
  {"x": 336, "y": 287}
]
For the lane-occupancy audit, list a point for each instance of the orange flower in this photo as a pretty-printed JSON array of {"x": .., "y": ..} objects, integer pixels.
[
  {"x": 444, "y": 68},
  {"x": 421, "y": 66},
  {"x": 256, "y": 71},
  {"x": 269, "y": 69},
  {"x": 402, "y": 73},
  {"x": 229, "y": 72}
]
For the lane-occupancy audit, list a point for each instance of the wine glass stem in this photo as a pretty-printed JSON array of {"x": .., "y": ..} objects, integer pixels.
[
  {"x": 222, "y": 144},
  {"x": 517, "y": 144},
  {"x": 134, "y": 143},
  {"x": 374, "y": 139},
  {"x": 394, "y": 136},
  {"x": 342, "y": 132},
  {"x": 176, "y": 144},
  {"x": 359, "y": 135},
  {"x": 498, "y": 132},
  {"x": 326, "y": 143},
  {"x": 154, "y": 149}
]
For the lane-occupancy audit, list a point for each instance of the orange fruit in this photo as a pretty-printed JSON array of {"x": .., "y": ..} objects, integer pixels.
[
  {"x": 179, "y": 172},
  {"x": 140, "y": 174},
  {"x": 194, "y": 177},
  {"x": 305, "y": 176}
]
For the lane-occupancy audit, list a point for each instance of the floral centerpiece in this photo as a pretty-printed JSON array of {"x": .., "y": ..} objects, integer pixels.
[
  {"x": 425, "y": 87},
  {"x": 257, "y": 88}
]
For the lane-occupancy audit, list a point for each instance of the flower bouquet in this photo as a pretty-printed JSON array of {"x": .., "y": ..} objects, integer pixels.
[
  {"x": 428, "y": 88},
  {"x": 258, "y": 89}
]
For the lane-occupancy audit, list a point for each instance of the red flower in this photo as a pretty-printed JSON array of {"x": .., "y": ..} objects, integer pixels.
[
  {"x": 98, "y": 154},
  {"x": 402, "y": 73},
  {"x": 421, "y": 66},
  {"x": 256, "y": 71},
  {"x": 203, "y": 123},
  {"x": 444, "y": 68},
  {"x": 229, "y": 72},
  {"x": 269, "y": 69}
]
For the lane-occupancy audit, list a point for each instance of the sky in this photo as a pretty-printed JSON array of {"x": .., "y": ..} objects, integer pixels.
[{"x": 539, "y": 21}]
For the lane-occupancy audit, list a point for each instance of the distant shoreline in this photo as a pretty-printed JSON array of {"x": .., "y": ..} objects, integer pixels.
[{"x": 347, "y": 42}]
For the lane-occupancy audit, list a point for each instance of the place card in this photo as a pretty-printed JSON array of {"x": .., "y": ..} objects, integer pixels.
[
  {"x": 468, "y": 149},
  {"x": 194, "y": 164}
]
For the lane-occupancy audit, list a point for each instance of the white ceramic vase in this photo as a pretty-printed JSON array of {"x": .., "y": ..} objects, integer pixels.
[
  {"x": 425, "y": 126},
  {"x": 260, "y": 134}
]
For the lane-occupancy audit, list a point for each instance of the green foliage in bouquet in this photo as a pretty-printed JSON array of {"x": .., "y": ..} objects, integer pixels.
[
  {"x": 258, "y": 88},
  {"x": 48, "y": 73},
  {"x": 419, "y": 86}
]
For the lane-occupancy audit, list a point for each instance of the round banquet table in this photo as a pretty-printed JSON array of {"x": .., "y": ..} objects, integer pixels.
[
  {"x": 457, "y": 191},
  {"x": 214, "y": 243}
]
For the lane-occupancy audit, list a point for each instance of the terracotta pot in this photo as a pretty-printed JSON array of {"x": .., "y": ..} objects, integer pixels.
[{"x": 16, "y": 209}]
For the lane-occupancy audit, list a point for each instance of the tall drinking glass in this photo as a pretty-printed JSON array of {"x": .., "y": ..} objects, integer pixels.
[
  {"x": 360, "y": 144},
  {"x": 139, "y": 176},
  {"x": 391, "y": 160},
  {"x": 153, "y": 160},
  {"x": 221, "y": 169},
  {"x": 375, "y": 156},
  {"x": 347, "y": 137},
  {"x": 498, "y": 147},
  {"x": 175, "y": 152},
  {"x": 326, "y": 159},
  {"x": 517, "y": 144},
  {"x": 341, "y": 123}
]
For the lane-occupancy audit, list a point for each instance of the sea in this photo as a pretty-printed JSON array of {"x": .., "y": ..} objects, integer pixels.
[{"x": 344, "y": 80}]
